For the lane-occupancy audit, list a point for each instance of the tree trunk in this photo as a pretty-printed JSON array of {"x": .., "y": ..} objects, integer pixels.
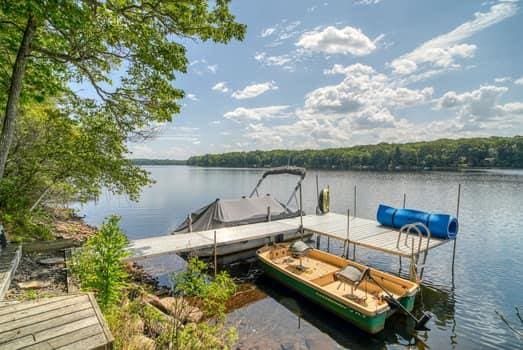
[{"x": 11, "y": 108}]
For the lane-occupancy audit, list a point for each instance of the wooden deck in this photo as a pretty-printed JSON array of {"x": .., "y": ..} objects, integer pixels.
[
  {"x": 67, "y": 322},
  {"x": 187, "y": 242},
  {"x": 363, "y": 232},
  {"x": 9, "y": 259}
]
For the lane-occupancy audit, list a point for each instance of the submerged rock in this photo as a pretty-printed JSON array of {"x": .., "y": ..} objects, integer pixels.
[
  {"x": 52, "y": 261},
  {"x": 34, "y": 284}
]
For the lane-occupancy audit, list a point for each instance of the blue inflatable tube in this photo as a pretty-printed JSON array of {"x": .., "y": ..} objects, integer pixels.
[{"x": 442, "y": 226}]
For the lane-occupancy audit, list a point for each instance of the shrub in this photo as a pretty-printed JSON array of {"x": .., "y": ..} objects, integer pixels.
[
  {"x": 194, "y": 282},
  {"x": 98, "y": 266}
]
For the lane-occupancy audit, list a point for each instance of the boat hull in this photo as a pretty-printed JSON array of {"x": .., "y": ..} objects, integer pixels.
[{"x": 370, "y": 324}]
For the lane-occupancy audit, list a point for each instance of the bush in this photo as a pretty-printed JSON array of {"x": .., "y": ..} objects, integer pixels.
[
  {"x": 98, "y": 266},
  {"x": 194, "y": 282}
]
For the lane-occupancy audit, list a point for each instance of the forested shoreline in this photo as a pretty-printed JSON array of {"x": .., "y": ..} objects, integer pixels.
[
  {"x": 495, "y": 152},
  {"x": 144, "y": 161}
]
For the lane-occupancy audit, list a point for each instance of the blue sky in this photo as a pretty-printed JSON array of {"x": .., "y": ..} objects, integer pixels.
[{"x": 339, "y": 73}]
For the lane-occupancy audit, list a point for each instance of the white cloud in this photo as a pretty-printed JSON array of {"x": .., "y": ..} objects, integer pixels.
[
  {"x": 367, "y": 2},
  {"x": 212, "y": 68},
  {"x": 363, "y": 88},
  {"x": 442, "y": 52},
  {"x": 267, "y": 32},
  {"x": 501, "y": 80},
  {"x": 254, "y": 90},
  {"x": 481, "y": 109},
  {"x": 519, "y": 81},
  {"x": 221, "y": 87},
  {"x": 311, "y": 9},
  {"x": 285, "y": 61},
  {"x": 192, "y": 97},
  {"x": 281, "y": 32},
  {"x": 215, "y": 122},
  {"x": 242, "y": 114},
  {"x": 331, "y": 40}
]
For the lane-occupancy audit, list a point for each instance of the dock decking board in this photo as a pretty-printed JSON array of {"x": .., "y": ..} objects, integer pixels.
[
  {"x": 363, "y": 232},
  {"x": 9, "y": 259},
  {"x": 68, "y": 322}
]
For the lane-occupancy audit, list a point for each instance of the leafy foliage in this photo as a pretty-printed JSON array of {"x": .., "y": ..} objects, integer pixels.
[
  {"x": 506, "y": 152},
  {"x": 96, "y": 75},
  {"x": 194, "y": 282},
  {"x": 98, "y": 266},
  {"x": 131, "y": 43}
]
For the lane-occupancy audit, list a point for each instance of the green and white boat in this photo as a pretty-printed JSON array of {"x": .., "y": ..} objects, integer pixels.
[{"x": 361, "y": 295}]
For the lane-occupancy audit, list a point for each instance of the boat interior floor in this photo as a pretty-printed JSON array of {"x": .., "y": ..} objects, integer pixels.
[{"x": 323, "y": 274}]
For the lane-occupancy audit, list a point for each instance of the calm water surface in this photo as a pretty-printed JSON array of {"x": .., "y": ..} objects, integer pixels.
[{"x": 489, "y": 258}]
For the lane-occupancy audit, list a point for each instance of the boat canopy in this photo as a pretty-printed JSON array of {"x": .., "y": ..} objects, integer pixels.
[{"x": 234, "y": 212}]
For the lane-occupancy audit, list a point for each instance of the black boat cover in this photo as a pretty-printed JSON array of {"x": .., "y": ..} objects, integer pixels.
[{"x": 234, "y": 212}]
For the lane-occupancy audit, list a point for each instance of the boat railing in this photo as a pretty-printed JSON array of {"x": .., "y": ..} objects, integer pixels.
[{"x": 415, "y": 228}]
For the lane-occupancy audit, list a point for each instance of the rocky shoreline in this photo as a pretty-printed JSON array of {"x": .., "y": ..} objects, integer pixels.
[{"x": 42, "y": 271}]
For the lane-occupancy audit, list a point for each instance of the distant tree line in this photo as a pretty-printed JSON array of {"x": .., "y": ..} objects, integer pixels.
[
  {"x": 502, "y": 152},
  {"x": 143, "y": 161}
]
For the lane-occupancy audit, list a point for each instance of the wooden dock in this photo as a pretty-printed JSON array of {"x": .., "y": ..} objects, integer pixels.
[
  {"x": 362, "y": 232},
  {"x": 66, "y": 322},
  {"x": 9, "y": 259},
  {"x": 367, "y": 233}
]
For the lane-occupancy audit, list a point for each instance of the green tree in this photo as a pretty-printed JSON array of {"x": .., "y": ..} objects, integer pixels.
[{"x": 125, "y": 49}]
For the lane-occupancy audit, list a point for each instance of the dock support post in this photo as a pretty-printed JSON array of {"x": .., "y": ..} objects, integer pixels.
[
  {"x": 189, "y": 218},
  {"x": 317, "y": 196},
  {"x": 348, "y": 235},
  {"x": 301, "y": 213},
  {"x": 412, "y": 273},
  {"x": 269, "y": 213},
  {"x": 455, "y": 238},
  {"x": 215, "y": 259},
  {"x": 355, "y": 201},
  {"x": 404, "y": 203},
  {"x": 318, "y": 236}
]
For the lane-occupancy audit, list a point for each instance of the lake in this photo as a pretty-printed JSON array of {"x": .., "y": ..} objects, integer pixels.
[{"x": 489, "y": 256}]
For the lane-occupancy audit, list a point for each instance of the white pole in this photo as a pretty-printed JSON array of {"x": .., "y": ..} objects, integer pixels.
[
  {"x": 455, "y": 238},
  {"x": 348, "y": 234},
  {"x": 301, "y": 213},
  {"x": 215, "y": 259},
  {"x": 355, "y": 200}
]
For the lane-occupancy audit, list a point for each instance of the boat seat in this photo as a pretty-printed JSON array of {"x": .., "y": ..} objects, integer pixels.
[
  {"x": 298, "y": 250},
  {"x": 351, "y": 274}
]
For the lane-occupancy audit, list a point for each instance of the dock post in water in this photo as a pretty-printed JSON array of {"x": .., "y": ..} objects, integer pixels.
[
  {"x": 189, "y": 218},
  {"x": 413, "y": 271},
  {"x": 301, "y": 214},
  {"x": 455, "y": 238},
  {"x": 346, "y": 249},
  {"x": 404, "y": 203},
  {"x": 318, "y": 236},
  {"x": 215, "y": 254},
  {"x": 269, "y": 213},
  {"x": 355, "y": 193}
]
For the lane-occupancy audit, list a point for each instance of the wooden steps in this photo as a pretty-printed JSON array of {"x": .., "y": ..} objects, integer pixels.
[
  {"x": 9, "y": 259},
  {"x": 66, "y": 322}
]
